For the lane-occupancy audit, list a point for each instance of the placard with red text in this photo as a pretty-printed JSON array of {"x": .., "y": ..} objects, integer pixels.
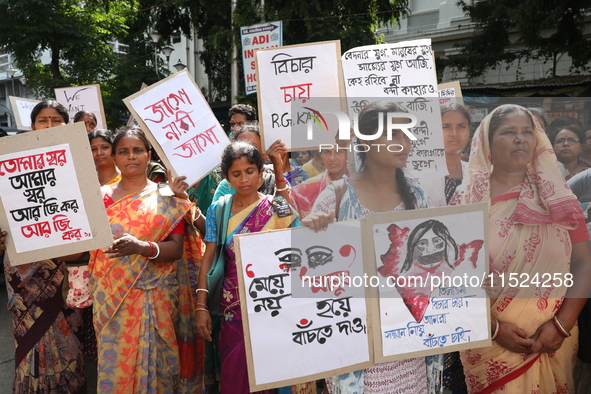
[
  {"x": 50, "y": 199},
  {"x": 180, "y": 125}
]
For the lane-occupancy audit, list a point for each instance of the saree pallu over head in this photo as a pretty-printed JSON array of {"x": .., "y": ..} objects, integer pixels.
[
  {"x": 528, "y": 236},
  {"x": 144, "y": 310}
]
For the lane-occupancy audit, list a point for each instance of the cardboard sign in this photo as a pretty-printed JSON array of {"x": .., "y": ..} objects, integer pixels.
[
  {"x": 450, "y": 91},
  {"x": 298, "y": 327},
  {"x": 180, "y": 125},
  {"x": 430, "y": 263},
  {"x": 22, "y": 107},
  {"x": 295, "y": 74},
  {"x": 260, "y": 36},
  {"x": 404, "y": 73},
  {"x": 83, "y": 98},
  {"x": 50, "y": 199},
  {"x": 303, "y": 294}
]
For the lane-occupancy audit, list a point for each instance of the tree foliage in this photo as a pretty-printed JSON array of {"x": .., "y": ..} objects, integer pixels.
[
  {"x": 544, "y": 30},
  {"x": 77, "y": 34},
  {"x": 354, "y": 22}
]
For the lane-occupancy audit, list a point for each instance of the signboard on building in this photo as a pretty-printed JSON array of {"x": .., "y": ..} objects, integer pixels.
[{"x": 260, "y": 36}]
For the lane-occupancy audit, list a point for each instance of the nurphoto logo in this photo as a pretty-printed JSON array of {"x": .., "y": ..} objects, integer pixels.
[{"x": 388, "y": 125}]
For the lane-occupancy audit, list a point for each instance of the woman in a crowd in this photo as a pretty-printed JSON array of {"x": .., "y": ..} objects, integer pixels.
[
  {"x": 540, "y": 116},
  {"x": 313, "y": 167},
  {"x": 568, "y": 143},
  {"x": 88, "y": 118},
  {"x": 272, "y": 177},
  {"x": 48, "y": 354},
  {"x": 245, "y": 211},
  {"x": 101, "y": 145},
  {"x": 455, "y": 120},
  {"x": 304, "y": 195},
  {"x": 536, "y": 228},
  {"x": 304, "y": 156},
  {"x": 380, "y": 186},
  {"x": 456, "y": 135},
  {"x": 143, "y": 306}
]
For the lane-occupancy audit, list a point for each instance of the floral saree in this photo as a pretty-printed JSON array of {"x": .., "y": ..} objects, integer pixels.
[
  {"x": 143, "y": 310},
  {"x": 530, "y": 230}
]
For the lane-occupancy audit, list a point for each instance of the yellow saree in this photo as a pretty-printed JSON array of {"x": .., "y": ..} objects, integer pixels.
[{"x": 529, "y": 235}]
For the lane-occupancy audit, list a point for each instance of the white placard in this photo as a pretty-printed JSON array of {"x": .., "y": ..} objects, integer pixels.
[
  {"x": 43, "y": 198},
  {"x": 22, "y": 108},
  {"x": 430, "y": 270},
  {"x": 83, "y": 98},
  {"x": 405, "y": 73},
  {"x": 450, "y": 92},
  {"x": 50, "y": 199},
  {"x": 321, "y": 332},
  {"x": 181, "y": 125},
  {"x": 295, "y": 74}
]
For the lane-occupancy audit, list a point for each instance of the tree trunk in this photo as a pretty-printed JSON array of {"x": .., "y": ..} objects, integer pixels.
[
  {"x": 55, "y": 63},
  {"x": 554, "y": 61}
]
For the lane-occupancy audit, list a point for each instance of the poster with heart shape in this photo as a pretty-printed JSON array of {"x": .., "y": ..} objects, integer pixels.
[{"x": 430, "y": 264}]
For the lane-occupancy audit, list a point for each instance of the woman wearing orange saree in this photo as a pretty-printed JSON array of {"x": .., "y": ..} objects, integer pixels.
[
  {"x": 536, "y": 231},
  {"x": 143, "y": 307}
]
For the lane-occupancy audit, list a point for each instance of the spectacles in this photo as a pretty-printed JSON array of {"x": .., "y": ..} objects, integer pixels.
[{"x": 562, "y": 141}]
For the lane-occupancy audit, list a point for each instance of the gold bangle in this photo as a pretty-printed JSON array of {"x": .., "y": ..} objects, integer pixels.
[{"x": 201, "y": 309}]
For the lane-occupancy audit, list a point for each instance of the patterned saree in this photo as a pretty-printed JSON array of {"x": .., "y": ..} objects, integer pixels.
[
  {"x": 143, "y": 310},
  {"x": 223, "y": 286}
]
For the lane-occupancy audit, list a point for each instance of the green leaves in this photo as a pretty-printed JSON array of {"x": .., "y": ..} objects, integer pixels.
[{"x": 512, "y": 31}]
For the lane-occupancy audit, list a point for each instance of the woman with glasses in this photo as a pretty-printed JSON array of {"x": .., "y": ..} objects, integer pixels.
[{"x": 568, "y": 143}]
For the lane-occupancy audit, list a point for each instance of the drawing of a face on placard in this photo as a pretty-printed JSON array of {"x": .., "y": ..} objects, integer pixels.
[
  {"x": 429, "y": 245},
  {"x": 425, "y": 250}
]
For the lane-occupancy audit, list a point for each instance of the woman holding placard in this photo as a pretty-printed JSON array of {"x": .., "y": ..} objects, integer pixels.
[
  {"x": 380, "y": 186},
  {"x": 245, "y": 211},
  {"x": 142, "y": 299},
  {"x": 277, "y": 177},
  {"x": 48, "y": 355},
  {"x": 537, "y": 233}
]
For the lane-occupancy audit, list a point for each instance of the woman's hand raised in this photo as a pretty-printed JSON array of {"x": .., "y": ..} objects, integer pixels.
[
  {"x": 178, "y": 185},
  {"x": 275, "y": 153},
  {"x": 318, "y": 221}
]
